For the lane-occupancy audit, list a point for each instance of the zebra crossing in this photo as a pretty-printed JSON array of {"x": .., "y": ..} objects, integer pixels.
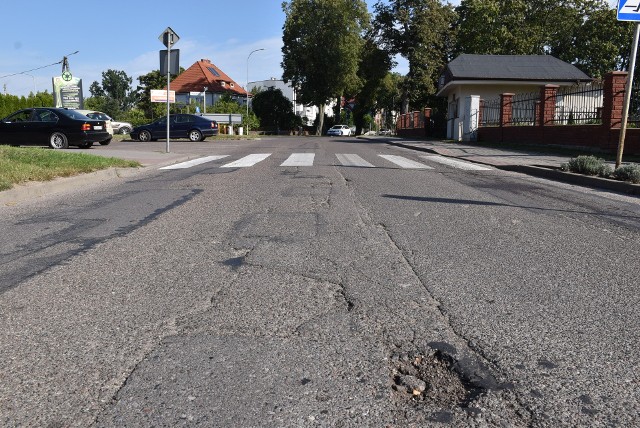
[{"x": 344, "y": 159}]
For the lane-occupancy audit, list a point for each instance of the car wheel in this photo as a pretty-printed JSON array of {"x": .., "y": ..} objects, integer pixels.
[
  {"x": 58, "y": 140},
  {"x": 195, "y": 135},
  {"x": 105, "y": 142},
  {"x": 144, "y": 136},
  {"x": 125, "y": 130}
]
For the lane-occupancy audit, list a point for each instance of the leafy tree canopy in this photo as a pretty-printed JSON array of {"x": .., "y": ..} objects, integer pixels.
[{"x": 322, "y": 45}]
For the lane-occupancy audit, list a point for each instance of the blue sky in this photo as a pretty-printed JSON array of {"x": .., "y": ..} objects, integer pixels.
[{"x": 123, "y": 35}]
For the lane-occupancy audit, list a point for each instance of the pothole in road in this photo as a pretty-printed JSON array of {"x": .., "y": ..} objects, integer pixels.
[{"x": 431, "y": 381}]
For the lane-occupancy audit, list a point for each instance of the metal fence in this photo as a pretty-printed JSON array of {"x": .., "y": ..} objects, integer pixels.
[
  {"x": 523, "y": 108},
  {"x": 491, "y": 112},
  {"x": 579, "y": 104}
]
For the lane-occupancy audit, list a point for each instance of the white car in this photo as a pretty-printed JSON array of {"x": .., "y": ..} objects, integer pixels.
[{"x": 339, "y": 130}]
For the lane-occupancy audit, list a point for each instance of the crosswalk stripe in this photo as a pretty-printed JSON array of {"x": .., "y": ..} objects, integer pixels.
[
  {"x": 403, "y": 162},
  {"x": 247, "y": 161},
  {"x": 299, "y": 159},
  {"x": 194, "y": 162},
  {"x": 353, "y": 160},
  {"x": 456, "y": 163}
]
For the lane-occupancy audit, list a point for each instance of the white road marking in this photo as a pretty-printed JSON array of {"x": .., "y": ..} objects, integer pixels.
[
  {"x": 299, "y": 159},
  {"x": 194, "y": 162},
  {"x": 353, "y": 160},
  {"x": 403, "y": 162},
  {"x": 247, "y": 161},
  {"x": 456, "y": 163}
]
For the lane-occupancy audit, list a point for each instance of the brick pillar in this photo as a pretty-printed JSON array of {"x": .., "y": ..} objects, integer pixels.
[
  {"x": 506, "y": 109},
  {"x": 613, "y": 98},
  {"x": 548, "y": 95},
  {"x": 427, "y": 122}
]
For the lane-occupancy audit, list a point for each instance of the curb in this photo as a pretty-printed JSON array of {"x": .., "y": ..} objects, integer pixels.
[
  {"x": 548, "y": 173},
  {"x": 572, "y": 178},
  {"x": 38, "y": 189}
]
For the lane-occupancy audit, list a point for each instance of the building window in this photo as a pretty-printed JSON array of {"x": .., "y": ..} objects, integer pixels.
[
  {"x": 231, "y": 84},
  {"x": 222, "y": 84}
]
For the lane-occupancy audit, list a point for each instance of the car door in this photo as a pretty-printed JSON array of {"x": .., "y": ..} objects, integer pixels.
[
  {"x": 14, "y": 128},
  {"x": 41, "y": 126},
  {"x": 181, "y": 126}
]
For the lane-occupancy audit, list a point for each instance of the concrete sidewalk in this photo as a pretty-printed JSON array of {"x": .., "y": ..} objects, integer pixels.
[{"x": 529, "y": 162}]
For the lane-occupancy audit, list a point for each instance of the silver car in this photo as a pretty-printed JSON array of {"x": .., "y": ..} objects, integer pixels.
[{"x": 339, "y": 130}]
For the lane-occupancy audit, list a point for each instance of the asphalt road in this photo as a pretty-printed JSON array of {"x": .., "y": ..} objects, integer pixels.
[{"x": 334, "y": 294}]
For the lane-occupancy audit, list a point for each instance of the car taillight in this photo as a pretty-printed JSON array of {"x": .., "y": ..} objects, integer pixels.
[
  {"x": 86, "y": 127},
  {"x": 214, "y": 124}
]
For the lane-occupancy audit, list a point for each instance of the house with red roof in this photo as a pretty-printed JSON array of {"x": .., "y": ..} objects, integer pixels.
[{"x": 205, "y": 79}]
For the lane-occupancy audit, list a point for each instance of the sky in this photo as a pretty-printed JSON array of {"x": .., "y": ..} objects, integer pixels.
[{"x": 123, "y": 35}]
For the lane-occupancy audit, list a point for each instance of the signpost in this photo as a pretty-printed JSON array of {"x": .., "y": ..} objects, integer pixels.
[
  {"x": 628, "y": 10},
  {"x": 168, "y": 38}
]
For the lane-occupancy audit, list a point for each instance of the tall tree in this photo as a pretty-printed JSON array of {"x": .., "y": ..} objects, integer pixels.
[
  {"x": 581, "y": 32},
  {"x": 422, "y": 32},
  {"x": 114, "y": 95},
  {"x": 374, "y": 67},
  {"x": 322, "y": 45}
]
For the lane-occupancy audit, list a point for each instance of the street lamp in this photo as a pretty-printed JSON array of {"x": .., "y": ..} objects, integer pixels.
[
  {"x": 247, "y": 88},
  {"x": 204, "y": 99}
]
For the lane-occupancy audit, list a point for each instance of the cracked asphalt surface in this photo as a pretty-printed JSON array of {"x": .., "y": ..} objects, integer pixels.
[{"x": 320, "y": 296}]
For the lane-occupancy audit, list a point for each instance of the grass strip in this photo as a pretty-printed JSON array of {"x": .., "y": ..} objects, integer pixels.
[{"x": 24, "y": 164}]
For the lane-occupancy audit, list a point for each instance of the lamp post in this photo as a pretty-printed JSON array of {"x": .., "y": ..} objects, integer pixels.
[
  {"x": 247, "y": 88},
  {"x": 204, "y": 100}
]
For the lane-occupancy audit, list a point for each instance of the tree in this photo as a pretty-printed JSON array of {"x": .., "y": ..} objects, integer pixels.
[
  {"x": 274, "y": 109},
  {"x": 373, "y": 69},
  {"x": 114, "y": 95},
  {"x": 142, "y": 94},
  {"x": 322, "y": 45},
  {"x": 581, "y": 32},
  {"x": 422, "y": 32},
  {"x": 226, "y": 104}
]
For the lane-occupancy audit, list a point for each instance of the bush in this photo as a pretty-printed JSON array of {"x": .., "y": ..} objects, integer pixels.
[
  {"x": 588, "y": 165},
  {"x": 629, "y": 172}
]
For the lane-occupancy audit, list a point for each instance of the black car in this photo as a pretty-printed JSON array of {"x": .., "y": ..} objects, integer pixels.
[
  {"x": 57, "y": 127},
  {"x": 191, "y": 126}
]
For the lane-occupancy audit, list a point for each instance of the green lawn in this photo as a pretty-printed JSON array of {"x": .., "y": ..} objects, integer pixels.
[{"x": 22, "y": 164}]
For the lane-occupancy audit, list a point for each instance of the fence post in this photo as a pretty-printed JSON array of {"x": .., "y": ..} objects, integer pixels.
[
  {"x": 548, "y": 95},
  {"x": 506, "y": 109},
  {"x": 613, "y": 98},
  {"x": 480, "y": 113},
  {"x": 428, "y": 131}
]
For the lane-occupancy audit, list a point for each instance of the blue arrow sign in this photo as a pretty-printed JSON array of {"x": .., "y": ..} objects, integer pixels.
[{"x": 628, "y": 10}]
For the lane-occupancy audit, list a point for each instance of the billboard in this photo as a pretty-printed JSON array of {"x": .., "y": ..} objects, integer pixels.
[
  {"x": 160, "y": 96},
  {"x": 67, "y": 92}
]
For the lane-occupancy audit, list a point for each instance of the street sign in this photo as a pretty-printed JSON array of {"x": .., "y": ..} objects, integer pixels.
[
  {"x": 629, "y": 10},
  {"x": 169, "y": 38},
  {"x": 174, "y": 62},
  {"x": 160, "y": 96}
]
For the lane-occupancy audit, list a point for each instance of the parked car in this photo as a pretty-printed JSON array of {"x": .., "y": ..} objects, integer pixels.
[
  {"x": 121, "y": 127},
  {"x": 384, "y": 132},
  {"x": 191, "y": 126},
  {"x": 58, "y": 128},
  {"x": 339, "y": 130},
  {"x": 98, "y": 115}
]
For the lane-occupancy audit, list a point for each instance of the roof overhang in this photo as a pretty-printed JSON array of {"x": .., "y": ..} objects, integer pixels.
[{"x": 446, "y": 89}]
